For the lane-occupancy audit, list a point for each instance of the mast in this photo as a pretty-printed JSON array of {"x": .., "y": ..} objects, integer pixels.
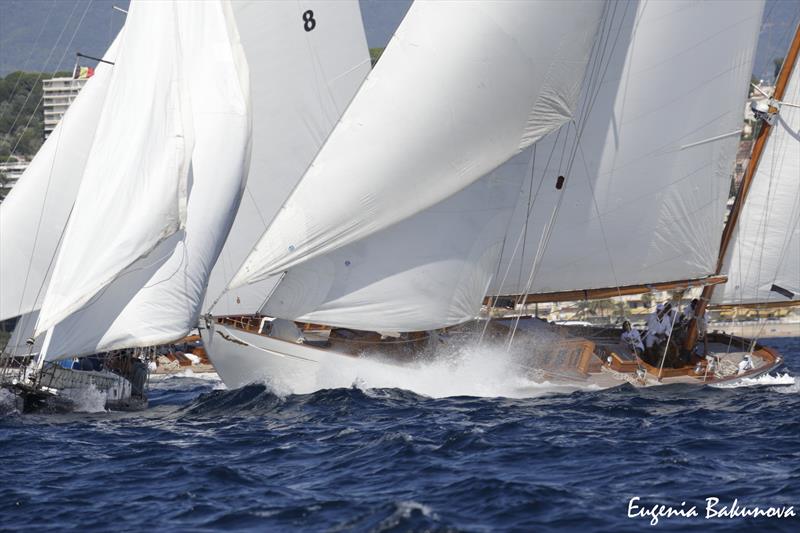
[{"x": 741, "y": 197}]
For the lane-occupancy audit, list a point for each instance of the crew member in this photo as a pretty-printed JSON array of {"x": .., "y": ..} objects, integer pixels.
[{"x": 632, "y": 338}]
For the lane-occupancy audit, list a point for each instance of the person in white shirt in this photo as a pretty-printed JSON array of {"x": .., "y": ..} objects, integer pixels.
[
  {"x": 632, "y": 338},
  {"x": 656, "y": 327}
]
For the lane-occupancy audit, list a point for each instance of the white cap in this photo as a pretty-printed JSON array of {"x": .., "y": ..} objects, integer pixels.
[{"x": 660, "y": 307}]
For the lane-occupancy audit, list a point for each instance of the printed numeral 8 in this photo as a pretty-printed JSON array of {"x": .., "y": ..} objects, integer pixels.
[{"x": 309, "y": 22}]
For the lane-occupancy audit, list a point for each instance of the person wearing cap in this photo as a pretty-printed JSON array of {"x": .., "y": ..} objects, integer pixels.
[
  {"x": 745, "y": 364},
  {"x": 631, "y": 338},
  {"x": 656, "y": 327}
]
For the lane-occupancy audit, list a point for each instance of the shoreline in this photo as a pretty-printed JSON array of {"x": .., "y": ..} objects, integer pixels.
[{"x": 762, "y": 330}]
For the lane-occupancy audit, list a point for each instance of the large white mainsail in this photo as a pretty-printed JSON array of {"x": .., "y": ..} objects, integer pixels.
[
  {"x": 157, "y": 299},
  {"x": 461, "y": 88},
  {"x": 33, "y": 216},
  {"x": 432, "y": 270},
  {"x": 763, "y": 260},
  {"x": 133, "y": 193},
  {"x": 301, "y": 81},
  {"x": 645, "y": 197}
]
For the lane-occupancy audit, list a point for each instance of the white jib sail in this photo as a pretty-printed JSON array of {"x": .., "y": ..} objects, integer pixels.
[
  {"x": 426, "y": 272},
  {"x": 301, "y": 83},
  {"x": 158, "y": 298},
  {"x": 133, "y": 193},
  {"x": 461, "y": 88},
  {"x": 645, "y": 198},
  {"x": 763, "y": 260},
  {"x": 33, "y": 216}
]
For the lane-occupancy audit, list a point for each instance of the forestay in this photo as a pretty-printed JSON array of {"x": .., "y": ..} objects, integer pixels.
[
  {"x": 763, "y": 263},
  {"x": 158, "y": 298},
  {"x": 461, "y": 88},
  {"x": 644, "y": 198},
  {"x": 33, "y": 216},
  {"x": 133, "y": 193},
  {"x": 307, "y": 59}
]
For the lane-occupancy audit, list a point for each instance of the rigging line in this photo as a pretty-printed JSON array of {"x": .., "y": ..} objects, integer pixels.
[
  {"x": 47, "y": 61},
  {"x": 30, "y": 55},
  {"x": 602, "y": 228},
  {"x": 66, "y": 49},
  {"x": 44, "y": 202},
  {"x": 548, "y": 229},
  {"x": 666, "y": 346},
  {"x": 519, "y": 237},
  {"x": 513, "y": 254},
  {"x": 527, "y": 214}
]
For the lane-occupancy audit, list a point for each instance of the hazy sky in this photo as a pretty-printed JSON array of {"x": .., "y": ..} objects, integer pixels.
[{"x": 45, "y": 34}]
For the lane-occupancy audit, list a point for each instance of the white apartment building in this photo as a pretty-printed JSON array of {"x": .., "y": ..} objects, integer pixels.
[
  {"x": 58, "y": 94},
  {"x": 10, "y": 172}
]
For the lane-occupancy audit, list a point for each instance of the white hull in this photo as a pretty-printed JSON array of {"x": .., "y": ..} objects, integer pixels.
[{"x": 243, "y": 358}]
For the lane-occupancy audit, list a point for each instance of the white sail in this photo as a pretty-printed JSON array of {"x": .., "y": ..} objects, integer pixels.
[
  {"x": 426, "y": 272},
  {"x": 158, "y": 298},
  {"x": 301, "y": 81},
  {"x": 23, "y": 331},
  {"x": 461, "y": 88},
  {"x": 644, "y": 199},
  {"x": 432, "y": 270},
  {"x": 33, "y": 216},
  {"x": 763, "y": 260},
  {"x": 133, "y": 193}
]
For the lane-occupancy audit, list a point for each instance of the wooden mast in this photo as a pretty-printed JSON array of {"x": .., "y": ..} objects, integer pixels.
[{"x": 738, "y": 204}]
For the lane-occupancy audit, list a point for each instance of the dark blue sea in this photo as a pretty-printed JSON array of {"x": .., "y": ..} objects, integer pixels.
[{"x": 206, "y": 459}]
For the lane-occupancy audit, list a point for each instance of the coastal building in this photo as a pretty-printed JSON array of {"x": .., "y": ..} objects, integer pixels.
[
  {"x": 58, "y": 94},
  {"x": 10, "y": 172}
]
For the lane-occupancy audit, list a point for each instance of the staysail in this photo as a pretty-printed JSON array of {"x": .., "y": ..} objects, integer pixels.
[
  {"x": 644, "y": 200},
  {"x": 461, "y": 88},
  {"x": 763, "y": 260},
  {"x": 158, "y": 298},
  {"x": 302, "y": 80},
  {"x": 33, "y": 216}
]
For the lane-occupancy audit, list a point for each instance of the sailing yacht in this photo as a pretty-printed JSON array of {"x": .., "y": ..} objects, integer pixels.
[
  {"x": 614, "y": 178},
  {"x": 161, "y": 179}
]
